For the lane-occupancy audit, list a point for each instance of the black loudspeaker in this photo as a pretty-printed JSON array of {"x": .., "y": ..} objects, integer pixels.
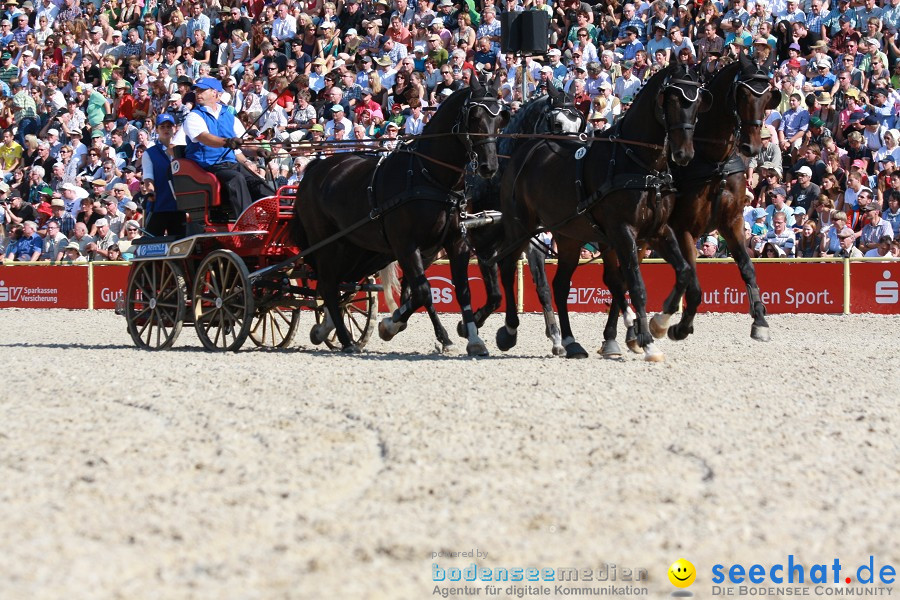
[
  {"x": 533, "y": 28},
  {"x": 510, "y": 40},
  {"x": 524, "y": 32}
]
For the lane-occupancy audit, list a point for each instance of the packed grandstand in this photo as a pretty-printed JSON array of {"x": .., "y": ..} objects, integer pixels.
[{"x": 84, "y": 85}]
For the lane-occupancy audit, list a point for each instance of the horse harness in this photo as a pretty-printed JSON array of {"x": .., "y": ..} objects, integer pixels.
[
  {"x": 661, "y": 183},
  {"x": 431, "y": 190}
]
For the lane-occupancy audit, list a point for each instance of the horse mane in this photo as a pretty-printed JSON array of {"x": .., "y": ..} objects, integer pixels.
[
  {"x": 528, "y": 113},
  {"x": 445, "y": 116},
  {"x": 655, "y": 82}
]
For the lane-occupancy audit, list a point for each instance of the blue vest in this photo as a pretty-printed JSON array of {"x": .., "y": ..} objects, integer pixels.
[
  {"x": 162, "y": 174},
  {"x": 222, "y": 127}
]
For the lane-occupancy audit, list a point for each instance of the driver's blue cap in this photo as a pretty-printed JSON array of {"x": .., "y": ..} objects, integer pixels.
[
  {"x": 165, "y": 118},
  {"x": 208, "y": 83}
]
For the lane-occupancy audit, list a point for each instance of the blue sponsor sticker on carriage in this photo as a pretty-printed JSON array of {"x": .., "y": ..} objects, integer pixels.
[{"x": 147, "y": 250}]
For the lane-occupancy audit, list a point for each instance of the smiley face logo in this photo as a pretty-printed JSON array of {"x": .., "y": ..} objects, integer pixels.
[{"x": 682, "y": 573}]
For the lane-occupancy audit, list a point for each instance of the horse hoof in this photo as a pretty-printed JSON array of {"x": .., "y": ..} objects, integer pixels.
[
  {"x": 477, "y": 349},
  {"x": 461, "y": 330},
  {"x": 574, "y": 350},
  {"x": 351, "y": 349},
  {"x": 654, "y": 356},
  {"x": 505, "y": 339},
  {"x": 760, "y": 333},
  {"x": 678, "y": 333},
  {"x": 657, "y": 330},
  {"x": 559, "y": 351},
  {"x": 315, "y": 335},
  {"x": 632, "y": 342},
  {"x": 384, "y": 329},
  {"x": 610, "y": 349},
  {"x": 449, "y": 348}
]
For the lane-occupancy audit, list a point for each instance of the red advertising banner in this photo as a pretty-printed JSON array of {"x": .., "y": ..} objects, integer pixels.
[
  {"x": 109, "y": 284},
  {"x": 443, "y": 294},
  {"x": 875, "y": 287},
  {"x": 44, "y": 287},
  {"x": 785, "y": 287},
  {"x": 589, "y": 294}
]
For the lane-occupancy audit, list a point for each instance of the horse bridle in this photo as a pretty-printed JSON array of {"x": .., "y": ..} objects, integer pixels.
[
  {"x": 462, "y": 123},
  {"x": 568, "y": 109},
  {"x": 677, "y": 84},
  {"x": 746, "y": 83}
]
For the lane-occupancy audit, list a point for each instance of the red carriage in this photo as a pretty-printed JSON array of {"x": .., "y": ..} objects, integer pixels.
[{"x": 230, "y": 278}]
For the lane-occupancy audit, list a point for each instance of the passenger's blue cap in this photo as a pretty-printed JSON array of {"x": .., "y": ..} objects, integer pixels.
[
  {"x": 165, "y": 118},
  {"x": 208, "y": 83}
]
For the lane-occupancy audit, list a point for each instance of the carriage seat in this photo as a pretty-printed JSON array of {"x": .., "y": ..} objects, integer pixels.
[{"x": 198, "y": 193}]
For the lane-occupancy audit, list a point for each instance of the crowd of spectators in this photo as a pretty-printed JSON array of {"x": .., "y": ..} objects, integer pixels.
[{"x": 84, "y": 82}]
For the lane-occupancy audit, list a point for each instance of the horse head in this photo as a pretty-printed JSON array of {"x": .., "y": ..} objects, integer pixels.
[
  {"x": 484, "y": 115},
  {"x": 753, "y": 95},
  {"x": 562, "y": 114},
  {"x": 680, "y": 100}
]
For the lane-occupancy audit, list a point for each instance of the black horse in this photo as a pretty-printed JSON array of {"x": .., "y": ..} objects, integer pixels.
[
  {"x": 614, "y": 189},
  {"x": 552, "y": 114},
  {"x": 404, "y": 207},
  {"x": 711, "y": 194}
]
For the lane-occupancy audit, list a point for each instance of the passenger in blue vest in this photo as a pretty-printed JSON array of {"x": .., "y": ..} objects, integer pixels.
[
  {"x": 213, "y": 138},
  {"x": 163, "y": 218}
]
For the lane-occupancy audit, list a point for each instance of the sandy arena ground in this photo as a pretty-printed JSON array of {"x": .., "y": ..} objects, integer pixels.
[{"x": 309, "y": 474}]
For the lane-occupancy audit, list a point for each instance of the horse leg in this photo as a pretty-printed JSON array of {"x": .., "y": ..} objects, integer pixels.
[
  {"x": 416, "y": 293},
  {"x": 623, "y": 241},
  {"x": 679, "y": 253},
  {"x": 734, "y": 237},
  {"x": 491, "y": 278},
  {"x": 507, "y": 334},
  {"x": 536, "y": 264},
  {"x": 458, "y": 254},
  {"x": 329, "y": 292},
  {"x": 320, "y": 331},
  {"x": 613, "y": 280},
  {"x": 445, "y": 344},
  {"x": 569, "y": 251}
]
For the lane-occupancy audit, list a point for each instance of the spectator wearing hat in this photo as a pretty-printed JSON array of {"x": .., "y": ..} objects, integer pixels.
[
  {"x": 811, "y": 158},
  {"x": 64, "y": 221},
  {"x": 875, "y": 228},
  {"x": 17, "y": 211},
  {"x": 72, "y": 253},
  {"x": 214, "y": 136},
  {"x": 54, "y": 242},
  {"x": 660, "y": 41},
  {"x": 98, "y": 249},
  {"x": 709, "y": 247},
  {"x": 777, "y": 204},
  {"x": 823, "y": 120},
  {"x": 131, "y": 231},
  {"x": 769, "y": 154},
  {"x": 803, "y": 191},
  {"x": 626, "y": 84},
  {"x": 846, "y": 240}
]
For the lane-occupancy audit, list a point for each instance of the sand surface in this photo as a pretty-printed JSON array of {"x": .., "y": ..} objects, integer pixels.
[{"x": 310, "y": 474}]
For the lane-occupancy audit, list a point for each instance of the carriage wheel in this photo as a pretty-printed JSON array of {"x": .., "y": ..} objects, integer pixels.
[
  {"x": 223, "y": 301},
  {"x": 155, "y": 304},
  {"x": 274, "y": 327},
  {"x": 359, "y": 310}
]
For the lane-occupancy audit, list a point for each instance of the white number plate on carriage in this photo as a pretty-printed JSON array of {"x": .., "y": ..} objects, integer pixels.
[{"x": 148, "y": 250}]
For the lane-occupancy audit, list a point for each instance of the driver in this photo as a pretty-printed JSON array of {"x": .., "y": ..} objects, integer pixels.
[{"x": 213, "y": 138}]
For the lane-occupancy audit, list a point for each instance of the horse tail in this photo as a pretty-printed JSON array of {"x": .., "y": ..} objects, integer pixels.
[{"x": 391, "y": 283}]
